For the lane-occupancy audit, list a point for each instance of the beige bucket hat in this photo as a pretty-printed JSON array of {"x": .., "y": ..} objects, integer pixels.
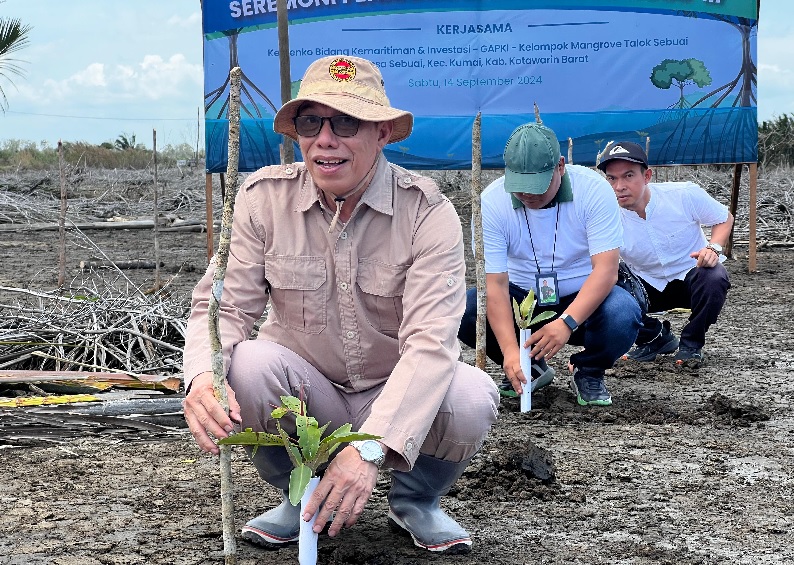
[{"x": 353, "y": 86}]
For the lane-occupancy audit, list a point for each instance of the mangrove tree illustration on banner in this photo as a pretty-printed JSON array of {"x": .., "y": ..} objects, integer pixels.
[{"x": 739, "y": 92}]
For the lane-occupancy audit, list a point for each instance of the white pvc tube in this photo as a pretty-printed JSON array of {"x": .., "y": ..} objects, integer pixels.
[
  {"x": 526, "y": 368},
  {"x": 307, "y": 541}
]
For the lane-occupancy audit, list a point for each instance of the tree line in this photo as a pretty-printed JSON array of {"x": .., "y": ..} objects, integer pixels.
[
  {"x": 124, "y": 153},
  {"x": 776, "y": 141}
]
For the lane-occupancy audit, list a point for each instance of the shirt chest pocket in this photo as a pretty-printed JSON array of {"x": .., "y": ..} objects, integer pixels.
[
  {"x": 298, "y": 292},
  {"x": 679, "y": 238},
  {"x": 381, "y": 289}
]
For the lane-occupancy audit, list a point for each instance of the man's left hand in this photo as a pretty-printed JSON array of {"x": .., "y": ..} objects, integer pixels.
[
  {"x": 345, "y": 489},
  {"x": 706, "y": 257}
]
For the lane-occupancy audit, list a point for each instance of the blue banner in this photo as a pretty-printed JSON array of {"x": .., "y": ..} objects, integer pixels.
[{"x": 682, "y": 72}]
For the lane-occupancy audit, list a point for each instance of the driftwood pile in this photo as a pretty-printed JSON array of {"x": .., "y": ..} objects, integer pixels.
[
  {"x": 103, "y": 199},
  {"x": 91, "y": 327}
]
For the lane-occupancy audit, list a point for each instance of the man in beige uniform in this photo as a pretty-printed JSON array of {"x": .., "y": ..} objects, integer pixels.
[{"x": 362, "y": 264}]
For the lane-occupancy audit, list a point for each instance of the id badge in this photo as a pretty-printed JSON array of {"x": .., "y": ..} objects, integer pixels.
[{"x": 548, "y": 293}]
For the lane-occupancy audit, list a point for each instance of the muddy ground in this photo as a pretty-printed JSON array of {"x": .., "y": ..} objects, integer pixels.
[{"x": 689, "y": 466}]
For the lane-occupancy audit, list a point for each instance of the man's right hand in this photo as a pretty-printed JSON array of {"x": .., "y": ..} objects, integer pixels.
[
  {"x": 205, "y": 416},
  {"x": 512, "y": 368}
]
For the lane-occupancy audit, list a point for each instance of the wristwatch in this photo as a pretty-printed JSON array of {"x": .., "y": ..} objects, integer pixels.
[
  {"x": 370, "y": 450},
  {"x": 569, "y": 321},
  {"x": 715, "y": 247}
]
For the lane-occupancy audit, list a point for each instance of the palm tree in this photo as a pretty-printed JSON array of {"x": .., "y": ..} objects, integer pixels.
[
  {"x": 124, "y": 143},
  {"x": 13, "y": 37}
]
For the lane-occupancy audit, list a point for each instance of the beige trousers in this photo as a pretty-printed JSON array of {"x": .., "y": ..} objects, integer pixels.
[{"x": 262, "y": 371}]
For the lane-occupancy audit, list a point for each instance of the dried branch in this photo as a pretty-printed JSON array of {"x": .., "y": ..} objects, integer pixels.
[{"x": 221, "y": 259}]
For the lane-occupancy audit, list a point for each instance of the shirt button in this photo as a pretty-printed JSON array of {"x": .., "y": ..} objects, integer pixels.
[
  {"x": 351, "y": 334},
  {"x": 343, "y": 235},
  {"x": 343, "y": 286}
]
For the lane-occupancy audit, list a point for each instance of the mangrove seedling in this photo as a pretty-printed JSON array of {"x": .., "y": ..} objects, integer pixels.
[
  {"x": 308, "y": 452},
  {"x": 523, "y": 312}
]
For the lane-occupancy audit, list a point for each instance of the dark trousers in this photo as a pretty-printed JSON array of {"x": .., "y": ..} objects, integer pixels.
[
  {"x": 606, "y": 335},
  {"x": 703, "y": 290}
]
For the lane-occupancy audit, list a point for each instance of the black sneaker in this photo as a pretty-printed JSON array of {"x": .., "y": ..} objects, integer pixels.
[
  {"x": 665, "y": 342},
  {"x": 590, "y": 390},
  {"x": 689, "y": 356},
  {"x": 542, "y": 375}
]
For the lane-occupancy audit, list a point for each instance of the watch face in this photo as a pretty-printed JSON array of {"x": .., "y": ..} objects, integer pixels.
[{"x": 370, "y": 450}]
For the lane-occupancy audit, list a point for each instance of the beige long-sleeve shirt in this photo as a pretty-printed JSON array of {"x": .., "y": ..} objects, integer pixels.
[{"x": 378, "y": 300}]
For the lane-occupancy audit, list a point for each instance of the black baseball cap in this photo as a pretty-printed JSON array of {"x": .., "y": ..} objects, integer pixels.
[{"x": 625, "y": 151}]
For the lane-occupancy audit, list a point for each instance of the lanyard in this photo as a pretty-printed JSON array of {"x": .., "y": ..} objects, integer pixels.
[{"x": 554, "y": 249}]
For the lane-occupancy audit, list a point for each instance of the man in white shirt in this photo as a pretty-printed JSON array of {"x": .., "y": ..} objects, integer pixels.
[
  {"x": 545, "y": 220},
  {"x": 665, "y": 246}
]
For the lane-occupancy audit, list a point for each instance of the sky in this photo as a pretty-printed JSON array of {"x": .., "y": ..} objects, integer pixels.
[{"x": 95, "y": 70}]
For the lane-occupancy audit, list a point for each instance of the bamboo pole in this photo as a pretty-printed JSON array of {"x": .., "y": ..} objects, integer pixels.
[
  {"x": 753, "y": 199},
  {"x": 479, "y": 249},
  {"x": 198, "y": 133},
  {"x": 287, "y": 149},
  {"x": 221, "y": 259},
  {"x": 156, "y": 215},
  {"x": 208, "y": 198},
  {"x": 734, "y": 205},
  {"x": 62, "y": 221}
]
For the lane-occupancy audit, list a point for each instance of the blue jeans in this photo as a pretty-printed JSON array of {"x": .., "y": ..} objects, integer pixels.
[{"x": 606, "y": 335}]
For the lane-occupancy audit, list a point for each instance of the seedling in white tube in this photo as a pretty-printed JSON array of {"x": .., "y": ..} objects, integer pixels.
[
  {"x": 523, "y": 315},
  {"x": 307, "y": 454}
]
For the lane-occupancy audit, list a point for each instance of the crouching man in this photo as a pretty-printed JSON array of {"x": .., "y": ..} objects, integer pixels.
[
  {"x": 664, "y": 244},
  {"x": 362, "y": 264}
]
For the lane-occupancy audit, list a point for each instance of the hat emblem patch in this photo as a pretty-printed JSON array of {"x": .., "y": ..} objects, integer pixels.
[{"x": 342, "y": 70}]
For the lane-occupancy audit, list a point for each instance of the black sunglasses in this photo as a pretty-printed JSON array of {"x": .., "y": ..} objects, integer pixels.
[{"x": 342, "y": 125}]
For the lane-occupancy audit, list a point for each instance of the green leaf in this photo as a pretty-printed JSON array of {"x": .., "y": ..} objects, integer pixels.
[
  {"x": 349, "y": 436},
  {"x": 344, "y": 429},
  {"x": 293, "y": 404},
  {"x": 301, "y": 424},
  {"x": 542, "y": 316},
  {"x": 309, "y": 440},
  {"x": 528, "y": 305},
  {"x": 517, "y": 314},
  {"x": 298, "y": 481},
  {"x": 292, "y": 449},
  {"x": 250, "y": 437}
]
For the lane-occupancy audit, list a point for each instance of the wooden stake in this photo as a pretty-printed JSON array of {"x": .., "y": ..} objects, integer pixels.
[
  {"x": 198, "y": 132},
  {"x": 287, "y": 149},
  {"x": 208, "y": 198},
  {"x": 734, "y": 205},
  {"x": 479, "y": 249},
  {"x": 753, "y": 187},
  {"x": 221, "y": 259},
  {"x": 156, "y": 214},
  {"x": 62, "y": 221}
]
